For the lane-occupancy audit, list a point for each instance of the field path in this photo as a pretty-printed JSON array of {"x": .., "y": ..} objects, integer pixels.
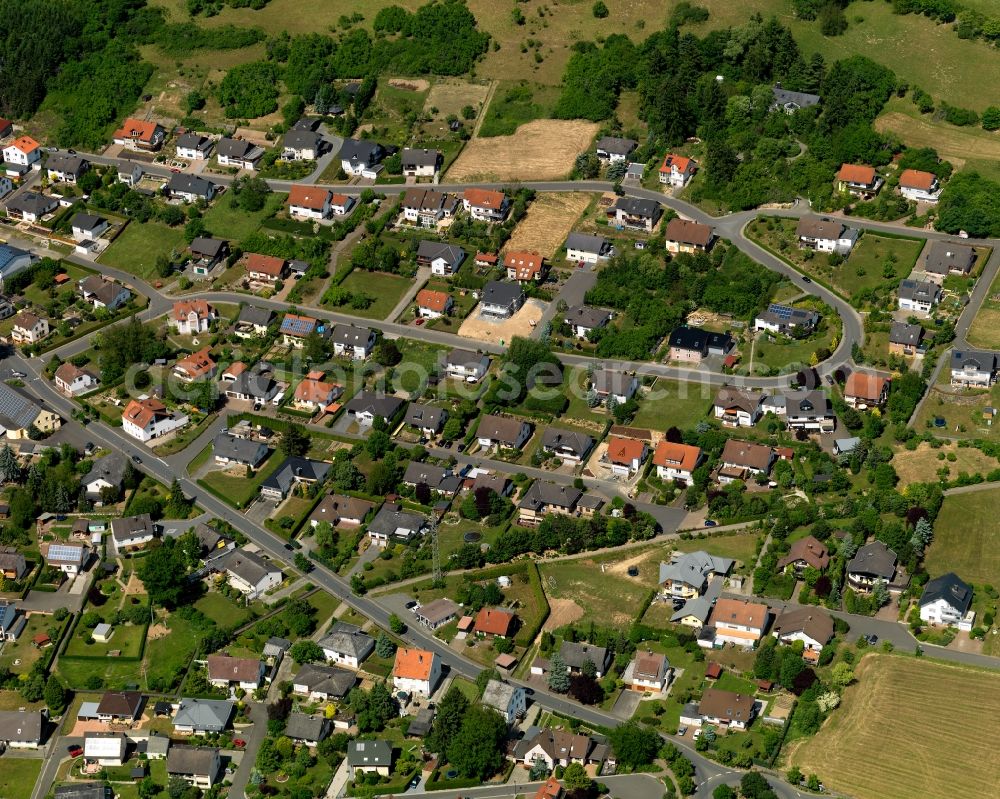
[{"x": 486, "y": 107}]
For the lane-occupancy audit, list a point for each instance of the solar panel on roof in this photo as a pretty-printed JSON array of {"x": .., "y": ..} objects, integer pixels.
[{"x": 63, "y": 552}]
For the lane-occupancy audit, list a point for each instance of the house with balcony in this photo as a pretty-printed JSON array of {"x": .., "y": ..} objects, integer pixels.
[
  {"x": 501, "y": 300},
  {"x": 192, "y": 146},
  {"x": 485, "y": 205},
  {"x": 29, "y": 328},
  {"x": 677, "y": 170},
  {"x": 786, "y": 320},
  {"x": 466, "y": 365},
  {"x": 675, "y": 461},
  {"x": 688, "y": 574},
  {"x": 919, "y": 186},
  {"x": 825, "y": 235},
  {"x": 947, "y": 600},
  {"x": 191, "y": 317},
  {"x": 973, "y": 368},
  {"x": 148, "y": 418},
  {"x": 588, "y": 249},
  {"x": 744, "y": 460},
  {"x": 725, "y": 709},
  {"x": 859, "y": 180},
  {"x": 871, "y": 564},
  {"x": 918, "y": 296},
  {"x": 948, "y": 258},
  {"x": 420, "y": 163},
  {"x": 683, "y": 235},
  {"x": 140, "y": 135},
  {"x": 647, "y": 671},
  {"x": 633, "y": 213},
  {"x": 443, "y": 259},
  {"x": 569, "y": 446},
  {"x": 543, "y": 497},
  {"x": 738, "y": 407},
  {"x": 611, "y": 149},
  {"x": 239, "y": 153},
  {"x": 582, "y": 319},
  {"x": 805, "y": 553},
  {"x": 427, "y": 207},
  {"x": 352, "y": 342},
  {"x": 810, "y": 625},
  {"x": 626, "y": 456},
  {"x": 739, "y": 622},
  {"x": 608, "y": 384},
  {"x": 905, "y": 339},
  {"x": 693, "y": 345},
  {"x": 416, "y": 671},
  {"x": 867, "y": 389}
]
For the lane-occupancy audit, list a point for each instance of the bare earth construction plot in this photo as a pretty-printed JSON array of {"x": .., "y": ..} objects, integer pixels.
[
  {"x": 910, "y": 728},
  {"x": 540, "y": 150},
  {"x": 548, "y": 222}
]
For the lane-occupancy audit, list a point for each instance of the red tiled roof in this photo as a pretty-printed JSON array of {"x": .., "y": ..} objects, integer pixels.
[
  {"x": 142, "y": 412},
  {"x": 679, "y": 162},
  {"x": 311, "y": 197},
  {"x": 432, "y": 300},
  {"x": 493, "y": 621},
  {"x": 487, "y": 257},
  {"x": 315, "y": 391},
  {"x": 184, "y": 308},
  {"x": 681, "y": 456},
  {"x": 915, "y": 179},
  {"x": 625, "y": 450},
  {"x": 197, "y": 363},
  {"x": 413, "y": 664},
  {"x": 484, "y": 198},
  {"x": 25, "y": 144},
  {"x": 265, "y": 264},
  {"x": 136, "y": 129},
  {"x": 526, "y": 264},
  {"x": 865, "y": 385},
  {"x": 857, "y": 173}
]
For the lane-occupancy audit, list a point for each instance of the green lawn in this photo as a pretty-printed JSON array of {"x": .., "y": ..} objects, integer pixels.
[
  {"x": 869, "y": 262},
  {"x": 222, "y": 610},
  {"x": 126, "y": 638},
  {"x": 137, "y": 247},
  {"x": 385, "y": 289},
  {"x": 238, "y": 490},
  {"x": 967, "y": 537},
  {"x": 961, "y": 410},
  {"x": 740, "y": 546},
  {"x": 23, "y": 649},
  {"x": 606, "y": 599},
  {"x": 671, "y": 403},
  {"x": 235, "y": 224},
  {"x": 985, "y": 330},
  {"x": 419, "y": 360},
  {"x": 784, "y": 354},
  {"x": 18, "y": 777}
]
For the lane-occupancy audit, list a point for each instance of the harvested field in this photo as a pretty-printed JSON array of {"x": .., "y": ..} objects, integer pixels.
[
  {"x": 921, "y": 465},
  {"x": 561, "y": 613},
  {"x": 451, "y": 95},
  {"x": 539, "y": 150},
  {"x": 549, "y": 220},
  {"x": 915, "y": 758},
  {"x": 518, "y": 325}
]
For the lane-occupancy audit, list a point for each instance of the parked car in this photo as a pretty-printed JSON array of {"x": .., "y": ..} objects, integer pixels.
[
  {"x": 89, "y": 448},
  {"x": 136, "y": 459},
  {"x": 239, "y": 743},
  {"x": 711, "y": 523},
  {"x": 75, "y": 750}
]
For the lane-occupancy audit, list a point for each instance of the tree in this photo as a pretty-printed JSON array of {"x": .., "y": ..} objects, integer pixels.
[
  {"x": 585, "y": 690},
  {"x": 576, "y": 779},
  {"x": 55, "y": 695},
  {"x": 384, "y": 647},
  {"x": 422, "y": 493},
  {"x": 880, "y": 594},
  {"x": 633, "y": 745},
  {"x": 10, "y": 469},
  {"x": 164, "y": 573},
  {"x": 600, "y": 9},
  {"x": 306, "y": 651},
  {"x": 294, "y": 441},
  {"x": 842, "y": 674},
  {"x": 448, "y": 721},
  {"x": 558, "y": 676},
  {"x": 302, "y": 563},
  {"x": 396, "y": 624},
  {"x": 477, "y": 750},
  {"x": 387, "y": 353},
  {"x": 724, "y": 792}
]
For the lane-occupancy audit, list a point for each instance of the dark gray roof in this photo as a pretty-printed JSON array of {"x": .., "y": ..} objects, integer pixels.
[
  {"x": 585, "y": 316},
  {"x": 306, "y": 123},
  {"x": 190, "y": 184},
  {"x": 21, "y": 725},
  {"x": 616, "y": 145},
  {"x": 193, "y": 141},
  {"x": 350, "y": 336},
  {"x": 325, "y": 679},
  {"x": 542, "y": 493},
  {"x": 634, "y": 206},
  {"x": 425, "y": 416},
  {"x": 391, "y": 518},
  {"x": 211, "y": 715},
  {"x": 576, "y": 654},
  {"x": 944, "y": 257},
  {"x": 815, "y": 227},
  {"x": 86, "y": 221},
  {"x": 951, "y": 589},
  {"x": 459, "y": 357},
  {"x": 694, "y": 338},
  {"x": 577, "y": 443},
  {"x": 587, "y": 243},
  {"x": 257, "y": 382},
  {"x": 66, "y": 163},
  {"x": 376, "y": 404},
  {"x": 499, "y": 292},
  {"x": 874, "y": 559},
  {"x": 918, "y": 290},
  {"x": 418, "y": 157},
  {"x": 438, "y": 249},
  {"x": 246, "y": 565},
  {"x": 428, "y": 473},
  {"x": 902, "y": 333},
  {"x": 252, "y": 315},
  {"x": 975, "y": 360},
  {"x": 296, "y": 468},
  {"x": 203, "y": 245},
  {"x": 234, "y": 148},
  {"x": 790, "y": 99},
  {"x": 813, "y": 404},
  {"x": 369, "y": 753},
  {"x": 242, "y": 450},
  {"x": 110, "y": 468},
  {"x": 197, "y": 760},
  {"x": 301, "y": 727},
  {"x": 32, "y": 202},
  {"x": 361, "y": 151},
  {"x": 349, "y": 640},
  {"x": 788, "y": 316},
  {"x": 302, "y": 140},
  {"x": 132, "y": 526},
  {"x": 607, "y": 381}
]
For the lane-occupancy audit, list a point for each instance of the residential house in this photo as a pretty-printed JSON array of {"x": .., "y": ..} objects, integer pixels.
[
  {"x": 918, "y": 296},
  {"x": 65, "y": 168},
  {"x": 265, "y": 268},
  {"x": 416, "y": 671},
  {"x": 805, "y": 553},
  {"x": 23, "y": 151},
  {"x": 428, "y": 419},
  {"x": 809, "y": 410},
  {"x": 946, "y": 600},
  {"x": 361, "y": 157},
  {"x": 295, "y": 329},
  {"x": 369, "y": 757},
  {"x": 693, "y": 345},
  {"x": 255, "y": 385},
  {"x": 676, "y": 461},
  {"x": 466, "y": 365},
  {"x": 495, "y": 623},
  {"x": 738, "y": 407},
  {"x": 238, "y": 152},
  {"x": 790, "y": 102},
  {"x": 366, "y": 406},
  {"x": 420, "y": 163},
  {"x": 427, "y": 207},
  {"x": 948, "y": 258},
  {"x": 433, "y": 304},
  {"x": 122, "y": 707},
  {"x": 352, "y": 342},
  {"x": 307, "y": 730},
  {"x": 486, "y": 205},
  {"x": 68, "y": 558},
  {"x": 683, "y": 235},
  {"x": 626, "y": 455},
  {"x": 190, "y": 317},
  {"x": 569, "y": 446},
  {"x": 199, "y": 766},
  {"x": 871, "y": 564},
  {"x": 543, "y": 497},
  {"x": 577, "y": 654},
  {"x": 443, "y": 259},
  {"x": 249, "y": 573},
  {"x": 193, "y": 146},
  {"x": 867, "y": 389},
  {"x": 139, "y": 134},
  {"x": 426, "y": 473},
  {"x": 132, "y": 532},
  {"x": 721, "y": 708},
  {"x": 524, "y": 266},
  {"x": 677, "y": 170},
  {"x": 437, "y": 613},
  {"x": 973, "y": 368},
  {"x": 739, "y": 622},
  {"x": 6, "y": 128},
  {"x": 129, "y": 173},
  {"x": 30, "y": 206},
  {"x": 905, "y": 339},
  {"x": 860, "y": 180},
  {"x": 501, "y": 300},
  {"x": 486, "y": 260},
  {"x": 612, "y": 148},
  {"x": 22, "y": 729},
  {"x": 314, "y": 394},
  {"x": 12, "y": 621},
  {"x": 253, "y": 321},
  {"x": 505, "y": 432},
  {"x": 206, "y": 253},
  {"x": 190, "y": 188},
  {"x": 633, "y": 213},
  {"x": 13, "y": 566},
  {"x": 309, "y": 202},
  {"x": 921, "y": 187},
  {"x": 582, "y": 319},
  {"x": 197, "y": 366},
  {"x": 293, "y": 472},
  {"x": 620, "y": 386},
  {"x": 203, "y": 716},
  {"x": 588, "y": 249},
  {"x": 688, "y": 574},
  {"x": 825, "y": 235},
  {"x": 301, "y": 145},
  {"x": 346, "y": 645},
  {"x": 12, "y": 261},
  {"x": 229, "y": 672},
  {"x": 87, "y": 227},
  {"x": 556, "y": 748},
  {"x": 743, "y": 459},
  {"x": 647, "y": 671},
  {"x": 322, "y": 683},
  {"x": 510, "y": 701},
  {"x": 810, "y": 625},
  {"x": 105, "y": 748},
  {"x": 786, "y": 320},
  {"x": 341, "y": 510},
  {"x": 392, "y": 523},
  {"x": 19, "y": 413},
  {"x": 29, "y": 328},
  {"x": 148, "y": 418},
  {"x": 104, "y": 293}
]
